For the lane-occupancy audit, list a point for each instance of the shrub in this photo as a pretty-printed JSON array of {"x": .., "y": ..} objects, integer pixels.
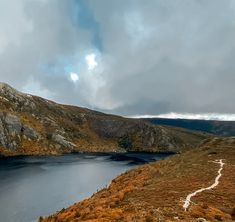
[{"x": 125, "y": 142}]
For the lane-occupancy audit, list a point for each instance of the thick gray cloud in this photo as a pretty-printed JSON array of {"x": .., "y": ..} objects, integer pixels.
[
  {"x": 38, "y": 38},
  {"x": 152, "y": 56}
]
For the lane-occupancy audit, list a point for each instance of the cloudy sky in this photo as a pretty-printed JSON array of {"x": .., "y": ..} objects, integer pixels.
[{"x": 130, "y": 57}]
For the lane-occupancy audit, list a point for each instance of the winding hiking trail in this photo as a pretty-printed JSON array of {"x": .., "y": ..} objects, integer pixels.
[{"x": 188, "y": 198}]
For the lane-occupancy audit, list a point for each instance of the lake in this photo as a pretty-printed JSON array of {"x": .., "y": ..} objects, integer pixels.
[{"x": 37, "y": 186}]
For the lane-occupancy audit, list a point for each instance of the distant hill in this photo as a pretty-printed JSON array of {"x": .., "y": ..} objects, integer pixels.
[
  {"x": 30, "y": 125},
  {"x": 222, "y": 128}
]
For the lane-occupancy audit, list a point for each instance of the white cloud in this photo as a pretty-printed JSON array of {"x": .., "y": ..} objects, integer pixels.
[
  {"x": 199, "y": 116},
  {"x": 156, "y": 57},
  {"x": 138, "y": 30},
  {"x": 14, "y": 24},
  {"x": 34, "y": 88},
  {"x": 91, "y": 61},
  {"x": 74, "y": 77}
]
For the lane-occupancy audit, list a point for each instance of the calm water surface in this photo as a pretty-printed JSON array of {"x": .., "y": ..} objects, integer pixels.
[{"x": 35, "y": 186}]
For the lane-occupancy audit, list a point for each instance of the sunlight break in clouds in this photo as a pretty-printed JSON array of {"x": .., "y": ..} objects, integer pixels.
[
  {"x": 91, "y": 61},
  {"x": 74, "y": 77}
]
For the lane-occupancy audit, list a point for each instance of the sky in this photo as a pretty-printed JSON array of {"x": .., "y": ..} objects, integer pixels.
[{"x": 128, "y": 57}]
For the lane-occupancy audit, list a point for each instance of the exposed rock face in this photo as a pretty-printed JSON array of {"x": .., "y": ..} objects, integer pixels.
[
  {"x": 3, "y": 139},
  {"x": 32, "y": 125},
  {"x": 19, "y": 100},
  {"x": 13, "y": 124},
  {"x": 62, "y": 141},
  {"x": 12, "y": 131}
]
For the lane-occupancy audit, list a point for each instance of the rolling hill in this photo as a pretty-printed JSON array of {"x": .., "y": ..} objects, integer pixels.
[
  {"x": 30, "y": 125},
  {"x": 222, "y": 128}
]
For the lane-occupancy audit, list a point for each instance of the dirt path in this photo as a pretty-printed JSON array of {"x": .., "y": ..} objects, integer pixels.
[{"x": 188, "y": 198}]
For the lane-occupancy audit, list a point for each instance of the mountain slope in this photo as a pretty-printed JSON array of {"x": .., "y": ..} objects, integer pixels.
[
  {"x": 30, "y": 125},
  {"x": 223, "y": 128},
  {"x": 157, "y": 191}
]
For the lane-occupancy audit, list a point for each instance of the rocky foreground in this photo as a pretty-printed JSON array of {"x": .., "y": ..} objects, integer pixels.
[
  {"x": 157, "y": 191},
  {"x": 30, "y": 125}
]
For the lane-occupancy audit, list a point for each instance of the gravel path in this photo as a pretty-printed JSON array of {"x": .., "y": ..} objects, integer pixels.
[{"x": 188, "y": 198}]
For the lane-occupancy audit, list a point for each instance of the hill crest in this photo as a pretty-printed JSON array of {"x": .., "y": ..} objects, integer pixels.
[{"x": 30, "y": 125}]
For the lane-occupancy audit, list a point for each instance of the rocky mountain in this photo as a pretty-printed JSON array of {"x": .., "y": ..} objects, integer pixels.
[
  {"x": 195, "y": 186},
  {"x": 30, "y": 125},
  {"x": 222, "y": 128}
]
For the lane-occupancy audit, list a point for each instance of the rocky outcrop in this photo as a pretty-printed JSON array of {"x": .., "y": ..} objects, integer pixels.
[
  {"x": 13, "y": 131},
  {"x": 59, "y": 139},
  {"x": 36, "y": 126},
  {"x": 19, "y": 100}
]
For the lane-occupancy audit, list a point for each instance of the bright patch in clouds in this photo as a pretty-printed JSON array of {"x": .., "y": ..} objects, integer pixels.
[
  {"x": 74, "y": 77},
  {"x": 91, "y": 61},
  {"x": 202, "y": 116}
]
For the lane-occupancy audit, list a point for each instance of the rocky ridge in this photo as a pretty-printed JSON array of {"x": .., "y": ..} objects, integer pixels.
[{"x": 30, "y": 125}]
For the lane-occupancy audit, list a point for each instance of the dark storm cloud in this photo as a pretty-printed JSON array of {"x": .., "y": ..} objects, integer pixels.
[{"x": 153, "y": 56}]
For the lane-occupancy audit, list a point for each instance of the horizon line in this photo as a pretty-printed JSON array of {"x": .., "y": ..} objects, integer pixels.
[{"x": 193, "y": 116}]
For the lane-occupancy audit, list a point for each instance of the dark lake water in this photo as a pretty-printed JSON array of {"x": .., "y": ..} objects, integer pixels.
[{"x": 35, "y": 186}]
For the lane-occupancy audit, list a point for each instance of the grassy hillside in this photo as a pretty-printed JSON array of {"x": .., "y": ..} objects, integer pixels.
[
  {"x": 30, "y": 125},
  {"x": 157, "y": 191}
]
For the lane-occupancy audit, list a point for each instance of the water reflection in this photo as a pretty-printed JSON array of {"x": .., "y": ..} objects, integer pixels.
[{"x": 35, "y": 186}]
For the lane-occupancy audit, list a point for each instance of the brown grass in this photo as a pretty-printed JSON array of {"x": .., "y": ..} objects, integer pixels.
[{"x": 154, "y": 192}]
